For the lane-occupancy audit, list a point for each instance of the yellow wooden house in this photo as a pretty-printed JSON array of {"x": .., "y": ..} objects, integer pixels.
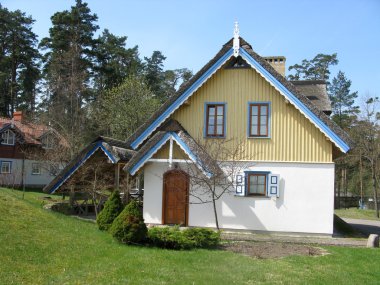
[{"x": 284, "y": 181}]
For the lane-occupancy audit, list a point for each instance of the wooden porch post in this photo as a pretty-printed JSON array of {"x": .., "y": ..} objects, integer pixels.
[{"x": 117, "y": 176}]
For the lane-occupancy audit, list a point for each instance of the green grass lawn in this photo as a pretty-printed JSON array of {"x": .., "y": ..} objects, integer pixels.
[
  {"x": 355, "y": 213},
  {"x": 41, "y": 247}
]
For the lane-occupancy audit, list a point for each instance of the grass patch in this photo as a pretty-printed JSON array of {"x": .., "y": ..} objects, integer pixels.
[
  {"x": 355, "y": 213},
  {"x": 43, "y": 247}
]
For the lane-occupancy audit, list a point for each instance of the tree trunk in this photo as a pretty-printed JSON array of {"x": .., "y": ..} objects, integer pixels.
[
  {"x": 214, "y": 205},
  {"x": 361, "y": 179},
  {"x": 374, "y": 188}
]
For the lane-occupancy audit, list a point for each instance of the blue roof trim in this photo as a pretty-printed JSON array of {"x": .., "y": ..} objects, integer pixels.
[
  {"x": 159, "y": 144},
  {"x": 338, "y": 141},
  {"x": 149, "y": 154},
  {"x": 185, "y": 95},
  {"x": 79, "y": 163}
]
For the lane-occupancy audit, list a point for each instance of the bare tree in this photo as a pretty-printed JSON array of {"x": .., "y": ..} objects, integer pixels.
[{"x": 220, "y": 161}]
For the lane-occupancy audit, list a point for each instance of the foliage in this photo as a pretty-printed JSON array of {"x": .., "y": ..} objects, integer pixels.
[
  {"x": 129, "y": 226},
  {"x": 203, "y": 238},
  {"x": 19, "y": 62},
  {"x": 314, "y": 69},
  {"x": 121, "y": 110},
  {"x": 112, "y": 208},
  {"x": 342, "y": 101},
  {"x": 174, "y": 238},
  {"x": 85, "y": 255}
]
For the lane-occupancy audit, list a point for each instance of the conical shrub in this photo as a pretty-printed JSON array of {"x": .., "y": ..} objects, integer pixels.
[
  {"x": 129, "y": 226},
  {"x": 112, "y": 208}
]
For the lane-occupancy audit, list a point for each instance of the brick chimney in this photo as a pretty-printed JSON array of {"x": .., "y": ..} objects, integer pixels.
[
  {"x": 277, "y": 62},
  {"x": 17, "y": 116}
]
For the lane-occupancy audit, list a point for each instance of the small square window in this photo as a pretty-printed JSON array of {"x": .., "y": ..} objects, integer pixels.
[
  {"x": 257, "y": 184},
  {"x": 36, "y": 169},
  {"x": 6, "y": 167}
]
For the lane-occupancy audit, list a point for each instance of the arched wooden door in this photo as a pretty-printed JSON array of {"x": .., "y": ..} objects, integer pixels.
[{"x": 175, "y": 198}]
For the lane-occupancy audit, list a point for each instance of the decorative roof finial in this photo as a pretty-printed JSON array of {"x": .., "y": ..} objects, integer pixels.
[{"x": 236, "y": 42}]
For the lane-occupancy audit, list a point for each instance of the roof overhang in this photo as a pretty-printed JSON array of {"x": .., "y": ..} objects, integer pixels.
[
  {"x": 181, "y": 143},
  {"x": 72, "y": 169}
]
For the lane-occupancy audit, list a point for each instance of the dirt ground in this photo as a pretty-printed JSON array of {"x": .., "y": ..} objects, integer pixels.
[{"x": 264, "y": 250}]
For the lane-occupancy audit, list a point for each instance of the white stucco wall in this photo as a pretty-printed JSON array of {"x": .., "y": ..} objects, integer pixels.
[
  {"x": 305, "y": 205},
  {"x": 31, "y": 180}
]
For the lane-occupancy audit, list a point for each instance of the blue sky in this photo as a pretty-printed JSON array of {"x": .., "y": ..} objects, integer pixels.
[{"x": 189, "y": 33}]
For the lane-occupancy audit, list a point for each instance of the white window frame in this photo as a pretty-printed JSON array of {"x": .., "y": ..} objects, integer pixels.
[
  {"x": 9, "y": 163},
  {"x": 38, "y": 168},
  {"x": 8, "y": 138}
]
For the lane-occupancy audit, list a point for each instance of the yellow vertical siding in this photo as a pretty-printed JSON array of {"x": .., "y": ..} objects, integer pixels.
[{"x": 293, "y": 137}]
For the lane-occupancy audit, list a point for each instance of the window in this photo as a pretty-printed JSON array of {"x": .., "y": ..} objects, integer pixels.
[
  {"x": 215, "y": 120},
  {"x": 36, "y": 169},
  {"x": 49, "y": 141},
  {"x": 257, "y": 184},
  {"x": 5, "y": 167},
  {"x": 258, "y": 125},
  {"x": 8, "y": 138}
]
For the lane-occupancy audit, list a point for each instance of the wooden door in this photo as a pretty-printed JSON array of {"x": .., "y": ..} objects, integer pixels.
[{"x": 175, "y": 200}]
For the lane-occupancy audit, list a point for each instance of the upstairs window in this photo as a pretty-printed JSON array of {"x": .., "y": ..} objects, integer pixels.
[
  {"x": 8, "y": 138},
  {"x": 258, "y": 121},
  {"x": 49, "y": 141},
  {"x": 215, "y": 120}
]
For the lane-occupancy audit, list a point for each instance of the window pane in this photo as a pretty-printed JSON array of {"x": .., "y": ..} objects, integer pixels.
[
  {"x": 261, "y": 189},
  {"x": 219, "y": 130},
  {"x": 210, "y": 130},
  {"x": 220, "y": 110},
  {"x": 254, "y": 130},
  {"x": 264, "y": 110},
  {"x": 261, "y": 179},
  {"x": 211, "y": 120},
  {"x": 263, "y": 120},
  {"x": 211, "y": 111},
  {"x": 219, "y": 120},
  {"x": 254, "y": 110},
  {"x": 263, "y": 130},
  {"x": 254, "y": 120}
]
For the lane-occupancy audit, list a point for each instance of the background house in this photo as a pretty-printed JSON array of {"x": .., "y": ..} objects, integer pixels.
[{"x": 30, "y": 154}]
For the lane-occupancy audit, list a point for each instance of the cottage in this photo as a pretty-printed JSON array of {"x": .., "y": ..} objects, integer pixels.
[
  {"x": 282, "y": 180},
  {"x": 28, "y": 152}
]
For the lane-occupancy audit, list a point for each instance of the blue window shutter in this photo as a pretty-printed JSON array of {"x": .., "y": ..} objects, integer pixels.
[
  {"x": 239, "y": 184},
  {"x": 273, "y": 185}
]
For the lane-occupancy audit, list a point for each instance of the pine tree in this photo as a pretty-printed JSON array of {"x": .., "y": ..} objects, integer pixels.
[{"x": 342, "y": 100}]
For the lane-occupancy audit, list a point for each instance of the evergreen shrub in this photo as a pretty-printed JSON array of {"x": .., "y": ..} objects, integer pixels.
[
  {"x": 112, "y": 208},
  {"x": 129, "y": 226}
]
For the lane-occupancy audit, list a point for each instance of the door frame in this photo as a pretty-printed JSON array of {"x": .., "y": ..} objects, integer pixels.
[{"x": 181, "y": 172}]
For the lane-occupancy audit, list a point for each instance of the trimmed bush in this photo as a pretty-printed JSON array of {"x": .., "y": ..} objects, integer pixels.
[
  {"x": 203, "y": 238},
  {"x": 112, "y": 208},
  {"x": 174, "y": 238},
  {"x": 129, "y": 226}
]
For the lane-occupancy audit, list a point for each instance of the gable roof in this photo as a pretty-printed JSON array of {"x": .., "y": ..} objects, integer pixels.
[
  {"x": 29, "y": 132},
  {"x": 286, "y": 88},
  {"x": 195, "y": 153},
  {"x": 115, "y": 150}
]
